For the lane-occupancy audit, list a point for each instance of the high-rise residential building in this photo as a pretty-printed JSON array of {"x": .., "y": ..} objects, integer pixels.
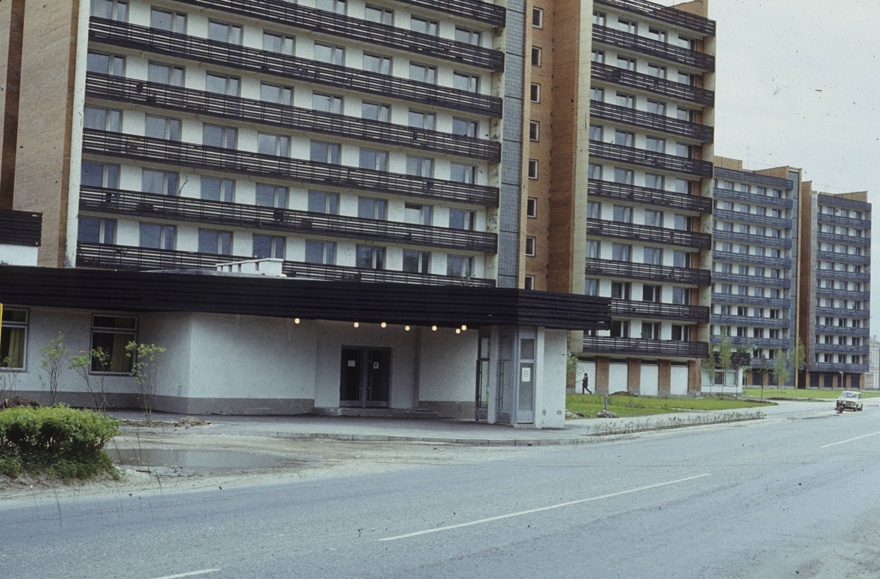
[
  {"x": 338, "y": 141},
  {"x": 619, "y": 166},
  {"x": 835, "y": 277},
  {"x": 755, "y": 266}
]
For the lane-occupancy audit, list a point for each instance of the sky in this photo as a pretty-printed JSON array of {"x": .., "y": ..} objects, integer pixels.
[{"x": 798, "y": 83}]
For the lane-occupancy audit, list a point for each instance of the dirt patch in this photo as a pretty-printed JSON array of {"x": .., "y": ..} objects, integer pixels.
[{"x": 185, "y": 422}]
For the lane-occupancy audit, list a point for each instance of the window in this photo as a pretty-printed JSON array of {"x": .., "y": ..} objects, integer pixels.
[
  {"x": 681, "y": 333},
  {"x": 373, "y": 159},
  {"x": 536, "y": 56},
  {"x": 651, "y": 293},
  {"x": 108, "y": 64},
  {"x": 423, "y": 73},
  {"x": 531, "y": 207},
  {"x": 626, "y": 63},
  {"x": 653, "y": 256},
  {"x": 535, "y": 93},
  {"x": 159, "y": 182},
  {"x": 624, "y": 176},
  {"x": 682, "y": 222},
  {"x": 626, "y": 101},
  {"x": 277, "y": 145},
  {"x": 266, "y": 246},
  {"x": 597, "y": 94},
  {"x": 111, "y": 10},
  {"x": 627, "y": 26},
  {"x": 102, "y": 119},
  {"x": 320, "y": 252},
  {"x": 529, "y": 282},
  {"x": 217, "y": 136},
  {"x": 329, "y": 54},
  {"x": 281, "y": 95},
  {"x": 379, "y": 15},
  {"x": 369, "y": 257},
  {"x": 657, "y": 71},
  {"x": 222, "y": 84},
  {"x": 656, "y": 108},
  {"x": 279, "y": 43},
  {"x": 156, "y": 236},
  {"x": 322, "y": 152},
  {"x": 335, "y": 6},
  {"x": 596, "y": 133},
  {"x": 621, "y": 252},
  {"x": 686, "y": 78},
  {"x": 468, "y": 36},
  {"x": 417, "y": 214},
  {"x": 327, "y": 103},
  {"x": 376, "y": 63},
  {"x": 537, "y": 17},
  {"x": 372, "y": 208},
  {"x": 420, "y": 120},
  {"x": 465, "y": 82},
  {"x": 594, "y": 171},
  {"x": 598, "y": 56},
  {"x": 621, "y": 213},
  {"x": 681, "y": 296},
  {"x": 594, "y": 210},
  {"x": 419, "y": 166},
  {"x": 416, "y": 261},
  {"x": 624, "y": 138},
  {"x": 459, "y": 265},
  {"x": 621, "y": 290},
  {"x": 599, "y": 18},
  {"x": 216, "y": 189},
  {"x": 533, "y": 168},
  {"x": 592, "y": 251},
  {"x": 271, "y": 196},
  {"x": 683, "y": 114},
  {"x": 213, "y": 241},
  {"x": 530, "y": 246},
  {"x": 619, "y": 328},
  {"x": 657, "y": 34},
  {"x": 650, "y": 331},
  {"x": 157, "y": 127},
  {"x": 13, "y": 338},
  {"x": 653, "y": 181},
  {"x": 97, "y": 230},
  {"x": 462, "y": 219},
  {"x": 464, "y": 127},
  {"x": 320, "y": 202},
  {"x": 424, "y": 26},
  {"x": 110, "y": 335},
  {"x": 655, "y": 144},
  {"x": 462, "y": 173},
  {"x": 99, "y": 175},
  {"x": 681, "y": 259},
  {"x": 220, "y": 32},
  {"x": 534, "y": 130},
  {"x": 591, "y": 287},
  {"x": 169, "y": 21}
]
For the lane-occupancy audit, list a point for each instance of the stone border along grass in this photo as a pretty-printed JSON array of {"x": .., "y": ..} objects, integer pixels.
[{"x": 672, "y": 422}]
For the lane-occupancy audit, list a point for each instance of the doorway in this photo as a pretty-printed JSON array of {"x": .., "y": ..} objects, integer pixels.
[{"x": 365, "y": 377}]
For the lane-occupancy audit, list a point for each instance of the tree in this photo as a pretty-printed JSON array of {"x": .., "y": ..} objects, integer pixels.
[
  {"x": 145, "y": 367},
  {"x": 720, "y": 359},
  {"x": 780, "y": 368},
  {"x": 54, "y": 358},
  {"x": 798, "y": 359},
  {"x": 82, "y": 364}
]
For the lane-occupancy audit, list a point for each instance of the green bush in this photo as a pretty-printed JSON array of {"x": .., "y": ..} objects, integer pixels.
[{"x": 55, "y": 440}]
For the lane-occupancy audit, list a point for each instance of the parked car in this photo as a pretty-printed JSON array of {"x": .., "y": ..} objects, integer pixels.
[{"x": 850, "y": 400}]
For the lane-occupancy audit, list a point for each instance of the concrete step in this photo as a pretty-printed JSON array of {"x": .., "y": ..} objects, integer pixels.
[{"x": 377, "y": 412}]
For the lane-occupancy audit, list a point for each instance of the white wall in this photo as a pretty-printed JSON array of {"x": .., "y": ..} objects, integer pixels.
[
  {"x": 18, "y": 255},
  {"x": 550, "y": 388},
  {"x": 679, "y": 381},
  {"x": 617, "y": 377},
  {"x": 448, "y": 364},
  {"x": 650, "y": 380}
]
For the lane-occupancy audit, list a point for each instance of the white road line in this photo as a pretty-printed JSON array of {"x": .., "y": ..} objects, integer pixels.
[
  {"x": 850, "y": 439},
  {"x": 190, "y": 574},
  {"x": 541, "y": 509}
]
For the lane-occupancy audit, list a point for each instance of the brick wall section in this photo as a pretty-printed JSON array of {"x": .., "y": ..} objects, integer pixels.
[
  {"x": 601, "y": 381},
  {"x": 634, "y": 376},
  {"x": 664, "y": 378},
  {"x": 11, "y": 23}
]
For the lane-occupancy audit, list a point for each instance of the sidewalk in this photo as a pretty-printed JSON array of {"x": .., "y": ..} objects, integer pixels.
[{"x": 458, "y": 431}]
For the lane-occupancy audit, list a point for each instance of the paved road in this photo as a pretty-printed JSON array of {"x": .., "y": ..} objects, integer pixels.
[{"x": 760, "y": 499}]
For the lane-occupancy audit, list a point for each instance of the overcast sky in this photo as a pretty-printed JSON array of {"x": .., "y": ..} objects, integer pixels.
[{"x": 798, "y": 83}]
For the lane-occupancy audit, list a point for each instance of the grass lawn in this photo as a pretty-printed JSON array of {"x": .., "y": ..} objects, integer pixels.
[
  {"x": 590, "y": 404},
  {"x": 772, "y": 392}
]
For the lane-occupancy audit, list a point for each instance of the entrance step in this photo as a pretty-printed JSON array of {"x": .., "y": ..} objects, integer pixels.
[{"x": 377, "y": 412}]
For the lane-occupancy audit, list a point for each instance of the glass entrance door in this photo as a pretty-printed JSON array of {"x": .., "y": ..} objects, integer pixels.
[{"x": 365, "y": 377}]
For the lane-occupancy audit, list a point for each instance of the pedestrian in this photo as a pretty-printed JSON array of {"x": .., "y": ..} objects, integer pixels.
[{"x": 585, "y": 385}]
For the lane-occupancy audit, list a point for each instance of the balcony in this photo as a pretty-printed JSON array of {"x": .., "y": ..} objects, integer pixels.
[
  {"x": 658, "y": 273},
  {"x": 721, "y": 193},
  {"x": 167, "y": 97},
  {"x": 721, "y": 235},
  {"x": 651, "y": 159},
  {"x": 122, "y": 257},
  {"x": 359, "y": 30},
  {"x": 843, "y": 331},
  {"x": 843, "y": 294},
  {"x": 841, "y": 349},
  {"x": 635, "y": 347},
  {"x": 641, "y": 45},
  {"x": 659, "y": 311},
  {"x": 837, "y": 201},
  {"x": 840, "y": 220},
  {"x": 760, "y": 260},
  {"x": 22, "y": 228},
  {"x": 662, "y": 14},
  {"x": 742, "y": 217},
  {"x": 841, "y": 258},
  {"x": 643, "y": 233},
  {"x": 739, "y": 300},
  {"x": 832, "y": 274},
  {"x": 838, "y": 368},
  {"x": 143, "y": 149},
  {"x": 660, "y": 123},
  {"x": 238, "y": 58},
  {"x": 645, "y": 196},
  {"x": 751, "y": 321},
  {"x": 746, "y": 342},
  {"x": 121, "y": 202},
  {"x": 639, "y": 81},
  {"x": 779, "y": 282},
  {"x": 477, "y": 10},
  {"x": 845, "y": 239},
  {"x": 843, "y": 313}
]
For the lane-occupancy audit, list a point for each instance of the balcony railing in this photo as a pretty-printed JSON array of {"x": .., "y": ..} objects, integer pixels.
[
  {"x": 636, "y": 347},
  {"x": 478, "y": 10},
  {"x": 843, "y": 202},
  {"x": 635, "y": 43},
  {"x": 643, "y": 195},
  {"x": 22, "y": 228},
  {"x": 659, "y": 311},
  {"x": 843, "y": 313},
  {"x": 760, "y": 260},
  {"x": 863, "y": 276},
  {"x": 742, "y": 217},
  {"x": 843, "y": 331},
  {"x": 624, "y": 269},
  {"x": 174, "y": 153},
  {"x": 845, "y": 239},
  {"x": 835, "y": 257},
  {"x": 842, "y": 294},
  {"x": 648, "y": 234},
  {"x": 721, "y": 193},
  {"x": 280, "y": 117},
  {"x": 660, "y": 123},
  {"x": 739, "y": 300},
  {"x": 652, "y": 84},
  {"x": 221, "y": 54},
  {"x": 841, "y": 349},
  {"x": 745, "y": 342},
  {"x": 840, "y": 220},
  {"x": 663, "y": 14},
  {"x": 779, "y": 282},
  {"x": 121, "y": 202},
  {"x": 651, "y": 159},
  {"x": 751, "y": 321},
  {"x": 837, "y": 368},
  {"x": 721, "y": 235},
  {"x": 357, "y": 29},
  {"x": 139, "y": 259}
]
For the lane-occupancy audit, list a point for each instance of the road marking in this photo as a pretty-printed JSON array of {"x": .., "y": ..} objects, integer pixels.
[
  {"x": 190, "y": 574},
  {"x": 850, "y": 439},
  {"x": 548, "y": 508}
]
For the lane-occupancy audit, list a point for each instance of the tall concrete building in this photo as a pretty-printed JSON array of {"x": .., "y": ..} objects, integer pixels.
[{"x": 619, "y": 181}]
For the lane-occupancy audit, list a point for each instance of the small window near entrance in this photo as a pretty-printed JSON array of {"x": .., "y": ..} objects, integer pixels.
[{"x": 110, "y": 335}]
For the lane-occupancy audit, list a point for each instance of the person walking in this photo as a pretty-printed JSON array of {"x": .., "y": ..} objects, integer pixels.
[{"x": 585, "y": 384}]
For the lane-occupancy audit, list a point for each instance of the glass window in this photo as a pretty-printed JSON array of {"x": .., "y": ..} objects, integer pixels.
[
  {"x": 159, "y": 182},
  {"x": 280, "y": 43},
  {"x": 621, "y": 252},
  {"x": 106, "y": 64},
  {"x": 215, "y": 242},
  {"x": 97, "y": 230},
  {"x": 102, "y": 119},
  {"x": 459, "y": 266},
  {"x": 329, "y": 54},
  {"x": 376, "y": 63},
  {"x": 465, "y": 82},
  {"x": 464, "y": 127},
  {"x": 157, "y": 127},
  {"x": 320, "y": 252},
  {"x": 271, "y": 196},
  {"x": 110, "y": 335},
  {"x": 320, "y": 202},
  {"x": 99, "y": 175},
  {"x": 376, "y": 112},
  {"x": 379, "y": 15},
  {"x": 220, "y": 32},
  {"x": 373, "y": 159},
  {"x": 417, "y": 214},
  {"x": 266, "y": 246},
  {"x": 461, "y": 173},
  {"x": 420, "y": 120},
  {"x": 415, "y": 261},
  {"x": 13, "y": 338},
  {"x": 336, "y": 6},
  {"x": 468, "y": 36},
  {"x": 369, "y": 257},
  {"x": 462, "y": 219},
  {"x": 419, "y": 166},
  {"x": 424, "y": 26},
  {"x": 216, "y": 189},
  {"x": 281, "y": 95},
  {"x": 222, "y": 84},
  {"x": 423, "y": 73},
  {"x": 217, "y": 136},
  {"x": 277, "y": 145},
  {"x": 372, "y": 208},
  {"x": 167, "y": 20},
  {"x": 110, "y": 9},
  {"x": 157, "y": 236},
  {"x": 327, "y": 103},
  {"x": 322, "y": 152}
]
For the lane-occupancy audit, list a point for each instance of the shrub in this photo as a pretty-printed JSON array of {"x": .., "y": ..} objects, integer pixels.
[{"x": 55, "y": 440}]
